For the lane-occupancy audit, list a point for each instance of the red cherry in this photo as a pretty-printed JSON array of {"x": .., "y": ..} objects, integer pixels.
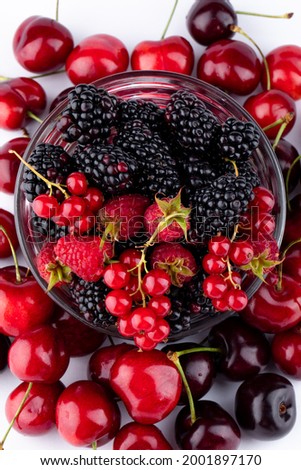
[
  {"x": 156, "y": 282},
  {"x": 13, "y": 109},
  {"x": 9, "y": 163},
  {"x": 284, "y": 64},
  {"x": 31, "y": 91},
  {"x": 214, "y": 286},
  {"x": 95, "y": 57},
  {"x": 230, "y": 65},
  {"x": 97, "y": 416},
  {"x": 286, "y": 351},
  {"x": 4, "y": 347},
  {"x": 118, "y": 302},
  {"x": 142, "y": 319},
  {"x": 151, "y": 398},
  {"x": 241, "y": 252},
  {"x": 292, "y": 263},
  {"x": 219, "y": 245},
  {"x": 45, "y": 206},
  {"x": 286, "y": 154},
  {"x": 42, "y": 44},
  {"x": 116, "y": 275},
  {"x": 77, "y": 183},
  {"x": 38, "y": 412},
  {"x": 161, "y": 305},
  {"x": 213, "y": 264},
  {"x": 7, "y": 221},
  {"x": 39, "y": 355},
  {"x": 174, "y": 54},
  {"x": 268, "y": 107},
  {"x": 136, "y": 436},
  {"x": 94, "y": 198},
  {"x": 24, "y": 303}
]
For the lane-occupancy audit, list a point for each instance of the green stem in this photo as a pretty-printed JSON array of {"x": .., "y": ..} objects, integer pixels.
[
  {"x": 94, "y": 445},
  {"x": 47, "y": 74},
  {"x": 263, "y": 15},
  {"x": 34, "y": 116},
  {"x": 288, "y": 175},
  {"x": 285, "y": 119},
  {"x": 237, "y": 29},
  {"x": 169, "y": 20},
  {"x": 198, "y": 349},
  {"x": 57, "y": 10},
  {"x": 20, "y": 407},
  {"x": 18, "y": 275}
]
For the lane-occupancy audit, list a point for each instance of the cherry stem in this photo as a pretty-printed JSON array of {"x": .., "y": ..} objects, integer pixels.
[
  {"x": 288, "y": 175},
  {"x": 94, "y": 445},
  {"x": 287, "y": 118},
  {"x": 284, "y": 120},
  {"x": 34, "y": 117},
  {"x": 48, "y": 183},
  {"x": 169, "y": 20},
  {"x": 13, "y": 252},
  {"x": 57, "y": 10},
  {"x": 285, "y": 16},
  {"x": 237, "y": 29},
  {"x": 198, "y": 349},
  {"x": 20, "y": 407}
]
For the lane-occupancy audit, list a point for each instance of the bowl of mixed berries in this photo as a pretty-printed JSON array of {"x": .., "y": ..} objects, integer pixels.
[{"x": 150, "y": 206}]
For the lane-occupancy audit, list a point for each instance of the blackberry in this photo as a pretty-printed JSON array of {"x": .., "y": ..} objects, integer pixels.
[
  {"x": 218, "y": 207},
  {"x": 42, "y": 229},
  {"x": 89, "y": 115},
  {"x": 52, "y": 162},
  {"x": 196, "y": 173},
  {"x": 159, "y": 177},
  {"x": 244, "y": 168},
  {"x": 146, "y": 111},
  {"x": 108, "y": 167},
  {"x": 238, "y": 139},
  {"x": 192, "y": 125},
  {"x": 89, "y": 298}
]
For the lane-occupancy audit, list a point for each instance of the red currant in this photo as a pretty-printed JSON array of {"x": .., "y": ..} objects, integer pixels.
[
  {"x": 94, "y": 198},
  {"x": 161, "y": 305},
  {"x": 237, "y": 299},
  {"x": 125, "y": 327},
  {"x": 73, "y": 206},
  {"x": 263, "y": 199},
  {"x": 84, "y": 223},
  {"x": 131, "y": 257},
  {"x": 143, "y": 342},
  {"x": 215, "y": 286},
  {"x": 118, "y": 302},
  {"x": 77, "y": 183},
  {"x": 221, "y": 305},
  {"x": 116, "y": 275},
  {"x": 241, "y": 253},
  {"x": 213, "y": 264},
  {"x": 219, "y": 245},
  {"x": 160, "y": 332},
  {"x": 45, "y": 206},
  {"x": 143, "y": 319},
  {"x": 156, "y": 282},
  {"x": 133, "y": 289}
]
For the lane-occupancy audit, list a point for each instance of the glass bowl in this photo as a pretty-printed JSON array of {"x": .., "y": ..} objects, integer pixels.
[{"x": 158, "y": 87}]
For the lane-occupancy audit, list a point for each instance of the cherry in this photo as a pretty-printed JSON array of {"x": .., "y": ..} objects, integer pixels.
[
  {"x": 79, "y": 338},
  {"x": 39, "y": 355},
  {"x": 77, "y": 183},
  {"x": 97, "y": 417},
  {"x": 45, "y": 206},
  {"x": 271, "y": 106},
  {"x": 213, "y": 429},
  {"x": 95, "y": 57},
  {"x": 118, "y": 302},
  {"x": 231, "y": 65},
  {"x": 274, "y": 308},
  {"x": 116, "y": 275},
  {"x": 245, "y": 351},
  {"x": 287, "y": 153},
  {"x": 4, "y": 347},
  {"x": 7, "y": 221},
  {"x": 156, "y": 282},
  {"x": 38, "y": 412},
  {"x": 265, "y": 406},
  {"x": 13, "y": 109},
  {"x": 137, "y": 436},
  {"x": 42, "y": 44},
  {"x": 9, "y": 164},
  {"x": 286, "y": 351},
  {"x": 102, "y": 360},
  {"x": 208, "y": 21},
  {"x": 156, "y": 393},
  {"x": 292, "y": 263},
  {"x": 24, "y": 304},
  {"x": 31, "y": 91},
  {"x": 285, "y": 69}
]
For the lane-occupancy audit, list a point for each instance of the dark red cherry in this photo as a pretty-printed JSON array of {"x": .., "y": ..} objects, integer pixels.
[
  {"x": 137, "y": 436},
  {"x": 4, "y": 347},
  {"x": 31, "y": 91},
  {"x": 9, "y": 163},
  {"x": 287, "y": 153},
  {"x": 13, "y": 109},
  {"x": 286, "y": 351},
  {"x": 265, "y": 406},
  {"x": 230, "y": 65},
  {"x": 42, "y": 44},
  {"x": 292, "y": 263},
  {"x": 208, "y": 20},
  {"x": 7, "y": 221}
]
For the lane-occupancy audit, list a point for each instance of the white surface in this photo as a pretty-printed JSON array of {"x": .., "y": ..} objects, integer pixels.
[{"x": 133, "y": 21}]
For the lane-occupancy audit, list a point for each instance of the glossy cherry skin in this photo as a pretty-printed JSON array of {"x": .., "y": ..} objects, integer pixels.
[
  {"x": 245, "y": 350},
  {"x": 292, "y": 263},
  {"x": 208, "y": 21},
  {"x": 230, "y": 65},
  {"x": 286, "y": 351},
  {"x": 31, "y": 91},
  {"x": 102, "y": 360},
  {"x": 271, "y": 309},
  {"x": 38, "y": 413},
  {"x": 13, "y": 109},
  {"x": 287, "y": 153},
  {"x": 42, "y": 44},
  {"x": 174, "y": 54},
  {"x": 80, "y": 338},
  {"x": 265, "y": 406},
  {"x": 24, "y": 305},
  {"x": 95, "y": 57},
  {"x": 7, "y": 221},
  {"x": 9, "y": 163},
  {"x": 151, "y": 398},
  {"x": 4, "y": 347},
  {"x": 214, "y": 428},
  {"x": 39, "y": 355},
  {"x": 137, "y": 436},
  {"x": 269, "y": 106},
  {"x": 292, "y": 230},
  {"x": 284, "y": 64},
  {"x": 96, "y": 419}
]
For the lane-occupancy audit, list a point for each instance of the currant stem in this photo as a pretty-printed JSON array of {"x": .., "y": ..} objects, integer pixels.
[
  {"x": 169, "y": 20},
  {"x": 285, "y": 16},
  {"x": 20, "y": 407},
  {"x": 237, "y": 29},
  {"x": 234, "y": 284},
  {"x": 18, "y": 275},
  {"x": 288, "y": 175},
  {"x": 174, "y": 357},
  {"x": 49, "y": 184}
]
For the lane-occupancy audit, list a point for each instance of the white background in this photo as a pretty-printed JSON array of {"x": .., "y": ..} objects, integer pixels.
[{"x": 133, "y": 21}]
